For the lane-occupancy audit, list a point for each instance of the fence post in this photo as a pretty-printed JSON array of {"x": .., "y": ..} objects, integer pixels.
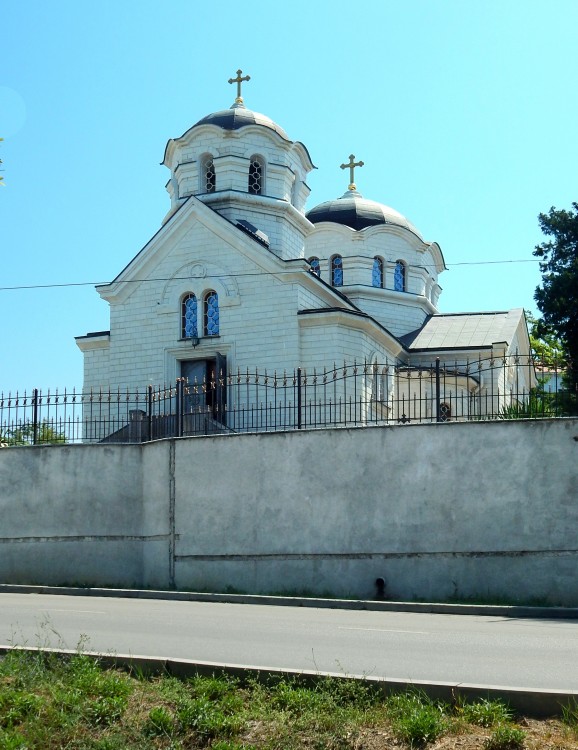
[
  {"x": 179, "y": 424},
  {"x": 438, "y": 394},
  {"x": 34, "y": 416},
  {"x": 299, "y": 398},
  {"x": 150, "y": 413}
]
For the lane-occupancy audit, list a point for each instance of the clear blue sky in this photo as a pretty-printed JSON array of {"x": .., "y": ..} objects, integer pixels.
[{"x": 465, "y": 114}]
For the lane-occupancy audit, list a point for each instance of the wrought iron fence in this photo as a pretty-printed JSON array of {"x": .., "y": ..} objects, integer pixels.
[{"x": 353, "y": 395}]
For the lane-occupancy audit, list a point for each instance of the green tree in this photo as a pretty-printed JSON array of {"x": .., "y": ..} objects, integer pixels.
[
  {"x": 557, "y": 296},
  {"x": 24, "y": 435},
  {"x": 547, "y": 348}
]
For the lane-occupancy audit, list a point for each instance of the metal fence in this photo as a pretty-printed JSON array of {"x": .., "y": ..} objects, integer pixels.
[{"x": 351, "y": 395}]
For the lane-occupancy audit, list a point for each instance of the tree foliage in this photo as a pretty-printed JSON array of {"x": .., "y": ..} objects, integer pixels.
[
  {"x": 546, "y": 347},
  {"x": 557, "y": 296},
  {"x": 24, "y": 435}
]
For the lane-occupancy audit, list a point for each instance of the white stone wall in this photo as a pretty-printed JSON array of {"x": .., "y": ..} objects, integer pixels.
[
  {"x": 258, "y": 321},
  {"x": 359, "y": 248}
]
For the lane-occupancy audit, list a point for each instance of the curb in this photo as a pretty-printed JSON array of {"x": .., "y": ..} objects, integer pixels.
[
  {"x": 568, "y": 613},
  {"x": 528, "y": 702}
]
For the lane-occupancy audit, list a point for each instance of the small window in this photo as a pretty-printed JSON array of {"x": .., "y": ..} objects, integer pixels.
[
  {"x": 211, "y": 314},
  {"x": 256, "y": 175},
  {"x": 209, "y": 180},
  {"x": 315, "y": 267},
  {"x": 399, "y": 275},
  {"x": 189, "y": 327},
  {"x": 337, "y": 270},
  {"x": 445, "y": 412},
  {"x": 377, "y": 273}
]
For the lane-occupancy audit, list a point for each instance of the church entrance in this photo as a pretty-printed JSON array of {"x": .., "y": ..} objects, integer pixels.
[{"x": 205, "y": 393}]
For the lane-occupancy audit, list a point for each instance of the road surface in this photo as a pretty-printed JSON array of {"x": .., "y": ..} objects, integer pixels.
[{"x": 527, "y": 653}]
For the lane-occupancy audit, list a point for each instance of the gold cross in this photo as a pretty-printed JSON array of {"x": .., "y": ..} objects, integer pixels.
[
  {"x": 239, "y": 80},
  {"x": 352, "y": 164}
]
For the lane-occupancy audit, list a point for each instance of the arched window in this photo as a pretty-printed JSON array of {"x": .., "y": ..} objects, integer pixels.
[
  {"x": 211, "y": 314},
  {"x": 377, "y": 273},
  {"x": 189, "y": 328},
  {"x": 256, "y": 170},
  {"x": 315, "y": 267},
  {"x": 208, "y": 177},
  {"x": 399, "y": 275},
  {"x": 337, "y": 270},
  {"x": 445, "y": 412}
]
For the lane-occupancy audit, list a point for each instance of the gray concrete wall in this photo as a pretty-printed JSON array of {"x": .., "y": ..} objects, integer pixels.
[{"x": 456, "y": 510}]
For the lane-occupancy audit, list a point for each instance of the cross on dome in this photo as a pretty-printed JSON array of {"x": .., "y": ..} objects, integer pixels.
[
  {"x": 239, "y": 80},
  {"x": 351, "y": 165}
]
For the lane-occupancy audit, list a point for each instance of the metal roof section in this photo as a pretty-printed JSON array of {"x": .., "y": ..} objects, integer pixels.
[
  {"x": 357, "y": 212},
  {"x": 464, "y": 330},
  {"x": 236, "y": 118},
  {"x": 240, "y": 117}
]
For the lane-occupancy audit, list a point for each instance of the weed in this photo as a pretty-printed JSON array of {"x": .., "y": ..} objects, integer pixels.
[
  {"x": 505, "y": 737},
  {"x": 159, "y": 722},
  {"x": 570, "y": 716},
  {"x": 415, "y": 718},
  {"x": 12, "y": 741},
  {"x": 104, "y": 710},
  {"x": 16, "y": 705},
  {"x": 485, "y": 713},
  {"x": 208, "y": 719}
]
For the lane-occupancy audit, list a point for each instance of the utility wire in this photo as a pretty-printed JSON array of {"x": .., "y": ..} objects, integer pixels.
[{"x": 230, "y": 275}]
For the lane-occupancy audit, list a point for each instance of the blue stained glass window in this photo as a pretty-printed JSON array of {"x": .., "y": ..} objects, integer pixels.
[
  {"x": 337, "y": 270},
  {"x": 189, "y": 326},
  {"x": 377, "y": 273},
  {"x": 399, "y": 277},
  {"x": 315, "y": 267},
  {"x": 211, "y": 314}
]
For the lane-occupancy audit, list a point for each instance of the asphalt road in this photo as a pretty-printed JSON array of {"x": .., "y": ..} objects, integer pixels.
[{"x": 536, "y": 653}]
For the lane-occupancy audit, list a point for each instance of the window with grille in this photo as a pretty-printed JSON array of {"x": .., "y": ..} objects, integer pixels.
[
  {"x": 211, "y": 314},
  {"x": 399, "y": 275},
  {"x": 337, "y": 270},
  {"x": 209, "y": 177},
  {"x": 256, "y": 176},
  {"x": 377, "y": 273},
  {"x": 315, "y": 266},
  {"x": 189, "y": 326}
]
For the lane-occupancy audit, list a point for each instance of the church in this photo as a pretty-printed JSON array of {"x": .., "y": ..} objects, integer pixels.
[{"x": 242, "y": 277}]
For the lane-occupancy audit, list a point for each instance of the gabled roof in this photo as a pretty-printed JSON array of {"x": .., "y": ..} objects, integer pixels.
[
  {"x": 464, "y": 330},
  {"x": 143, "y": 263}
]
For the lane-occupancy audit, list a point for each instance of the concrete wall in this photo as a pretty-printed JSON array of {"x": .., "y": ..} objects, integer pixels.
[{"x": 439, "y": 511}]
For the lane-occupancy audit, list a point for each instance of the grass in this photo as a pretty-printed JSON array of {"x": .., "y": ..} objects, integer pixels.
[
  {"x": 570, "y": 717},
  {"x": 48, "y": 701}
]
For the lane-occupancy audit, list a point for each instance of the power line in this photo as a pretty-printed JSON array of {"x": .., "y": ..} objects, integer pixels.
[{"x": 230, "y": 275}]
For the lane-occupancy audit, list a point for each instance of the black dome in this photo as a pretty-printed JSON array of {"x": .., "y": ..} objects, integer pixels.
[
  {"x": 354, "y": 211},
  {"x": 239, "y": 117}
]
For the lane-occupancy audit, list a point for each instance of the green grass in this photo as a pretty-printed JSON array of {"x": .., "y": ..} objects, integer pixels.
[
  {"x": 484, "y": 713},
  {"x": 505, "y": 737},
  {"x": 50, "y": 702},
  {"x": 416, "y": 719},
  {"x": 570, "y": 716}
]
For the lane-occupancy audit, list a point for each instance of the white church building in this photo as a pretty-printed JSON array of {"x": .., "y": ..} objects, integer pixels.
[{"x": 242, "y": 277}]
